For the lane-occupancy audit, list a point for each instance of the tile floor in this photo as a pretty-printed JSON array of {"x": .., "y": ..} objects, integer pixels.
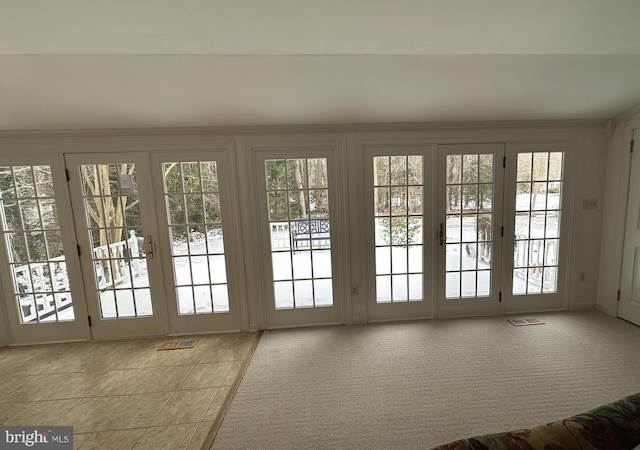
[{"x": 123, "y": 394}]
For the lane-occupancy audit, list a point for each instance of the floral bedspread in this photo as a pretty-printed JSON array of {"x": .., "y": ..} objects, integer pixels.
[{"x": 609, "y": 427}]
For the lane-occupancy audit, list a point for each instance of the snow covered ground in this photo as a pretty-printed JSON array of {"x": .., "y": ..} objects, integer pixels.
[{"x": 200, "y": 277}]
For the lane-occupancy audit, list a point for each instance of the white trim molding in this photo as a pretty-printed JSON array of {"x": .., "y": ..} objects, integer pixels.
[{"x": 630, "y": 114}]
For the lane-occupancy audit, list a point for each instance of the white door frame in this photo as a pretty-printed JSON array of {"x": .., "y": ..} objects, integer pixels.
[
  {"x": 261, "y": 149},
  {"x": 546, "y": 301},
  {"x": 157, "y": 324},
  {"x": 481, "y": 305},
  {"x": 78, "y": 329},
  {"x": 236, "y": 318},
  {"x": 377, "y": 312}
]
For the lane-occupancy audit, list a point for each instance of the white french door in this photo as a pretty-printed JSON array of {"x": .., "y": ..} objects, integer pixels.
[
  {"x": 490, "y": 238},
  {"x": 457, "y": 259},
  {"x": 300, "y": 232},
  {"x": 470, "y": 187},
  {"x": 399, "y": 245},
  {"x": 116, "y": 230},
  {"x": 537, "y": 230},
  {"x": 40, "y": 273},
  {"x": 202, "y": 273}
]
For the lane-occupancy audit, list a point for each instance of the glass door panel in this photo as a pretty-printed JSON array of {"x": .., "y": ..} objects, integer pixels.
[
  {"x": 39, "y": 283},
  {"x": 469, "y": 240},
  {"x": 112, "y": 207},
  {"x": 538, "y": 180},
  {"x": 398, "y": 227},
  {"x": 298, "y": 204},
  {"x": 299, "y": 230},
  {"x": 537, "y": 222},
  {"x": 32, "y": 236},
  {"x": 192, "y": 199},
  {"x": 115, "y": 210},
  {"x": 198, "y": 214},
  {"x": 397, "y": 182},
  {"x": 470, "y": 186}
]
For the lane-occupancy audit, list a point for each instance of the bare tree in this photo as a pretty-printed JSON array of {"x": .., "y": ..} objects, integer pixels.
[
  {"x": 106, "y": 208},
  {"x": 298, "y": 170}
]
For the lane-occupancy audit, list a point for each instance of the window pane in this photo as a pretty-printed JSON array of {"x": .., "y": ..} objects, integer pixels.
[
  {"x": 36, "y": 256},
  {"x": 383, "y": 260},
  {"x": 299, "y": 226},
  {"x": 415, "y": 287},
  {"x": 400, "y": 288},
  {"x": 383, "y": 289},
  {"x": 198, "y": 249},
  {"x": 537, "y": 222},
  {"x": 398, "y": 225},
  {"x": 220, "y": 298},
  {"x": 469, "y": 222},
  {"x": 283, "y": 294}
]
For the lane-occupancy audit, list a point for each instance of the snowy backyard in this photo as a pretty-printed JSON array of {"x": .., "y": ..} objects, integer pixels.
[{"x": 302, "y": 276}]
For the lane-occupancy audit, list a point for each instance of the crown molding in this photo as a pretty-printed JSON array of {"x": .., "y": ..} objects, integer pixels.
[
  {"x": 308, "y": 128},
  {"x": 633, "y": 113}
]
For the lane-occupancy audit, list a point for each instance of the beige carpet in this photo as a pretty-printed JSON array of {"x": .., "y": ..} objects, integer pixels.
[{"x": 419, "y": 384}]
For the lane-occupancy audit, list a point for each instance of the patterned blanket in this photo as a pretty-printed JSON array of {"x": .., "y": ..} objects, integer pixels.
[{"x": 608, "y": 427}]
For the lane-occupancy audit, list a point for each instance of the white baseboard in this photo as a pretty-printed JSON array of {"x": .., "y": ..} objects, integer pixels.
[
  {"x": 606, "y": 310},
  {"x": 584, "y": 306}
]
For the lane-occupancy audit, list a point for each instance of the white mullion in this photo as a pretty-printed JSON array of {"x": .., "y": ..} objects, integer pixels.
[
  {"x": 406, "y": 225},
  {"x": 33, "y": 259},
  {"x": 461, "y": 216},
  {"x": 206, "y": 233},
  {"x": 477, "y": 244},
  {"x": 48, "y": 266},
  {"x": 529, "y": 213},
  {"x": 188, "y": 236},
  {"x": 47, "y": 252},
  {"x": 126, "y": 229},
  {"x": 17, "y": 200},
  {"x": 206, "y": 240},
  {"x": 289, "y": 219},
  {"x": 544, "y": 230},
  {"x": 185, "y": 228},
  {"x": 99, "y": 197},
  {"x": 313, "y": 279}
]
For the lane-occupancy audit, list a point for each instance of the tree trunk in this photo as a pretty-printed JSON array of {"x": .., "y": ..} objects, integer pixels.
[
  {"x": 319, "y": 182},
  {"x": 297, "y": 173}
]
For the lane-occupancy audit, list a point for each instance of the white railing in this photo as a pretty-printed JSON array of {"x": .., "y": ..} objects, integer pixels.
[
  {"x": 112, "y": 261},
  {"x": 280, "y": 236},
  {"x": 115, "y": 264},
  {"x": 529, "y": 259},
  {"x": 35, "y": 292}
]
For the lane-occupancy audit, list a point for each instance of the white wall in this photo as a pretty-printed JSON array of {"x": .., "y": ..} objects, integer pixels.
[
  {"x": 587, "y": 224},
  {"x": 615, "y": 207}
]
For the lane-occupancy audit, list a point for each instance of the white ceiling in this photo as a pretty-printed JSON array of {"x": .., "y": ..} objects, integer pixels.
[{"x": 77, "y": 64}]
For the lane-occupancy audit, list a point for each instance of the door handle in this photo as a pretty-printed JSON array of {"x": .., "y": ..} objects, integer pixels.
[
  {"x": 148, "y": 246},
  {"x": 442, "y": 239}
]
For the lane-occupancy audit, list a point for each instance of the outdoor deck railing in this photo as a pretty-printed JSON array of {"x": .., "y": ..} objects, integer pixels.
[
  {"x": 280, "y": 237},
  {"x": 535, "y": 268},
  {"x": 36, "y": 294},
  {"x": 113, "y": 261}
]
